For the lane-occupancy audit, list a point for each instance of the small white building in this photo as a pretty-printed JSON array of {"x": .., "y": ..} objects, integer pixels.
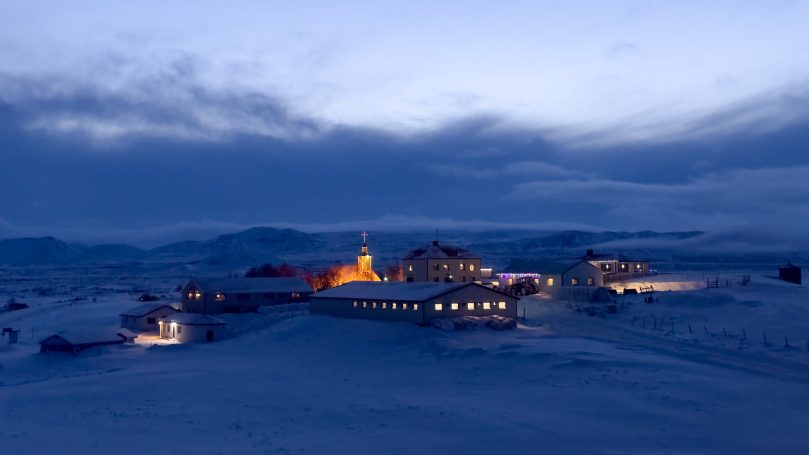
[
  {"x": 145, "y": 317},
  {"x": 192, "y": 328}
]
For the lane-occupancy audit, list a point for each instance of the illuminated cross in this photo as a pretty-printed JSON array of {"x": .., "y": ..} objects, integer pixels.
[{"x": 364, "y": 236}]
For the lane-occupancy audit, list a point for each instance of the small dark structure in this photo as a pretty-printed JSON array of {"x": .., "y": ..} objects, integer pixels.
[
  {"x": 790, "y": 273},
  {"x": 81, "y": 340},
  {"x": 13, "y": 305}
]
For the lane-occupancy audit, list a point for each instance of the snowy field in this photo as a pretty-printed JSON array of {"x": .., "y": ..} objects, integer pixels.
[{"x": 638, "y": 381}]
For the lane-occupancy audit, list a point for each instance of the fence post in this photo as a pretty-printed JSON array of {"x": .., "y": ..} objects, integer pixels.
[
  {"x": 706, "y": 330},
  {"x": 765, "y": 339},
  {"x": 724, "y": 332},
  {"x": 786, "y": 342},
  {"x": 689, "y": 329}
]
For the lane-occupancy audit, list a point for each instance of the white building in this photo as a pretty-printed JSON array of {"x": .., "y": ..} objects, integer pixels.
[
  {"x": 192, "y": 328},
  {"x": 418, "y": 303},
  {"x": 145, "y": 317},
  {"x": 441, "y": 263}
]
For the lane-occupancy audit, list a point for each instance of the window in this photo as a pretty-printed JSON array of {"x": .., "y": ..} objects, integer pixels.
[
  {"x": 605, "y": 267},
  {"x": 454, "y": 306},
  {"x": 461, "y": 266},
  {"x": 591, "y": 281},
  {"x": 355, "y": 304},
  {"x": 623, "y": 266},
  {"x": 446, "y": 266},
  {"x": 470, "y": 306},
  {"x": 487, "y": 305},
  {"x": 404, "y": 307},
  {"x": 296, "y": 295},
  {"x": 550, "y": 282},
  {"x": 219, "y": 297},
  {"x": 150, "y": 320},
  {"x": 243, "y": 296},
  {"x": 574, "y": 281},
  {"x": 501, "y": 305},
  {"x": 384, "y": 305},
  {"x": 439, "y": 307},
  {"x": 365, "y": 304},
  {"x": 373, "y": 305},
  {"x": 179, "y": 328},
  {"x": 638, "y": 266},
  {"x": 471, "y": 267},
  {"x": 410, "y": 268},
  {"x": 463, "y": 278},
  {"x": 393, "y": 306},
  {"x": 436, "y": 266},
  {"x": 415, "y": 307}
]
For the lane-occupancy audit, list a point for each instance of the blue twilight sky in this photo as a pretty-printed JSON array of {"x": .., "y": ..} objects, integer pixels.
[{"x": 151, "y": 120}]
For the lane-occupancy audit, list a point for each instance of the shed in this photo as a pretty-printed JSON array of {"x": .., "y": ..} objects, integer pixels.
[
  {"x": 790, "y": 273},
  {"x": 144, "y": 317},
  {"x": 74, "y": 341},
  {"x": 192, "y": 328}
]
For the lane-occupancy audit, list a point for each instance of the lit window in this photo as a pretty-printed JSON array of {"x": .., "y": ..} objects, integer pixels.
[
  {"x": 384, "y": 305},
  {"x": 446, "y": 266},
  {"x": 623, "y": 266},
  {"x": 373, "y": 305},
  {"x": 410, "y": 268},
  {"x": 439, "y": 307},
  {"x": 471, "y": 267},
  {"x": 501, "y": 305},
  {"x": 461, "y": 266},
  {"x": 574, "y": 281},
  {"x": 197, "y": 295},
  {"x": 487, "y": 305},
  {"x": 436, "y": 266},
  {"x": 219, "y": 297},
  {"x": 415, "y": 307},
  {"x": 470, "y": 306},
  {"x": 404, "y": 307},
  {"x": 454, "y": 306},
  {"x": 355, "y": 304},
  {"x": 590, "y": 281},
  {"x": 550, "y": 282},
  {"x": 190, "y": 295},
  {"x": 637, "y": 266},
  {"x": 365, "y": 304},
  {"x": 393, "y": 306}
]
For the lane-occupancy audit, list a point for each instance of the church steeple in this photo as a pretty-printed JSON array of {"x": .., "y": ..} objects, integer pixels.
[{"x": 364, "y": 259}]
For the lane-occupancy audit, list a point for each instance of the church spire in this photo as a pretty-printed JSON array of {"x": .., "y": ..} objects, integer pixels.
[{"x": 364, "y": 259}]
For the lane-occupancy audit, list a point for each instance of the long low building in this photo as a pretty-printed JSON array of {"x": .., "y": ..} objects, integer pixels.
[
  {"x": 238, "y": 295},
  {"x": 79, "y": 340},
  {"x": 418, "y": 303}
]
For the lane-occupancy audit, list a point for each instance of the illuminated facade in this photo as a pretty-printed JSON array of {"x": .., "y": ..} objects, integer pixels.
[{"x": 441, "y": 263}]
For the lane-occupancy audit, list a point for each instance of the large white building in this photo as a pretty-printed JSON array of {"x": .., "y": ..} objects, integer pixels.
[
  {"x": 441, "y": 263},
  {"x": 418, "y": 303}
]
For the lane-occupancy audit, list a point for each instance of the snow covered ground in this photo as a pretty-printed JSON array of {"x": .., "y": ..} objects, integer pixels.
[{"x": 563, "y": 382}]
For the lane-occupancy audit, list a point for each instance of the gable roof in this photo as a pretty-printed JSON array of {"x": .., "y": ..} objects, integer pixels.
[
  {"x": 399, "y": 290},
  {"x": 436, "y": 251},
  {"x": 193, "y": 319},
  {"x": 252, "y": 285},
  {"x": 89, "y": 336},
  {"x": 540, "y": 267},
  {"x": 146, "y": 308}
]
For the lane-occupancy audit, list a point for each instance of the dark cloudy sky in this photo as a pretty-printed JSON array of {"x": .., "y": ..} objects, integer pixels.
[{"x": 141, "y": 120}]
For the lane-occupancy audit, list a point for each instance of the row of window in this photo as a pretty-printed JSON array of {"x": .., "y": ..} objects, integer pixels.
[
  {"x": 575, "y": 281},
  {"x": 472, "y": 306},
  {"x": 221, "y": 297},
  {"x": 607, "y": 267},
  {"x": 461, "y": 266},
  {"x": 385, "y": 305}
]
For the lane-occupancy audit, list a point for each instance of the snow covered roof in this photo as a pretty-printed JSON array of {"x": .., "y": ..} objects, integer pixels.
[
  {"x": 436, "y": 251},
  {"x": 146, "y": 308},
  {"x": 193, "y": 319},
  {"x": 610, "y": 257},
  {"x": 410, "y": 292},
  {"x": 252, "y": 285},
  {"x": 540, "y": 267},
  {"x": 89, "y": 336}
]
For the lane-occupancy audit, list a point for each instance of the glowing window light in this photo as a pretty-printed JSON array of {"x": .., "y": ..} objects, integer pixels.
[
  {"x": 356, "y": 304},
  {"x": 415, "y": 307},
  {"x": 410, "y": 268},
  {"x": 501, "y": 305},
  {"x": 404, "y": 307},
  {"x": 439, "y": 307},
  {"x": 219, "y": 297},
  {"x": 550, "y": 282},
  {"x": 487, "y": 305},
  {"x": 470, "y": 306},
  {"x": 393, "y": 306},
  {"x": 461, "y": 266},
  {"x": 471, "y": 267},
  {"x": 373, "y": 305},
  {"x": 365, "y": 304},
  {"x": 454, "y": 306}
]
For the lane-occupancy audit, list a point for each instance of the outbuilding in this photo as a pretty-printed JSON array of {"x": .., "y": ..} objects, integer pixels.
[
  {"x": 145, "y": 317},
  {"x": 790, "y": 273},
  {"x": 192, "y": 328},
  {"x": 418, "y": 303},
  {"x": 74, "y": 341},
  {"x": 239, "y": 295}
]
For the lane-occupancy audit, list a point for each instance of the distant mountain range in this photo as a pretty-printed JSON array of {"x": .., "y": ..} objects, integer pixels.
[{"x": 313, "y": 250}]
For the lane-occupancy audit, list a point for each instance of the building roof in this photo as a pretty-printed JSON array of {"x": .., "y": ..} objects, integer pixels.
[
  {"x": 252, "y": 285},
  {"x": 89, "y": 336},
  {"x": 591, "y": 256},
  {"x": 193, "y": 319},
  {"x": 393, "y": 291},
  {"x": 146, "y": 308},
  {"x": 436, "y": 251}
]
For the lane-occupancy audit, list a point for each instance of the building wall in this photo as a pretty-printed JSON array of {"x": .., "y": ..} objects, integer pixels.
[
  {"x": 142, "y": 323},
  {"x": 551, "y": 287},
  {"x": 584, "y": 274},
  {"x": 425, "y": 270},
  {"x": 186, "y": 333},
  {"x": 210, "y": 303},
  {"x": 420, "y": 312}
]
